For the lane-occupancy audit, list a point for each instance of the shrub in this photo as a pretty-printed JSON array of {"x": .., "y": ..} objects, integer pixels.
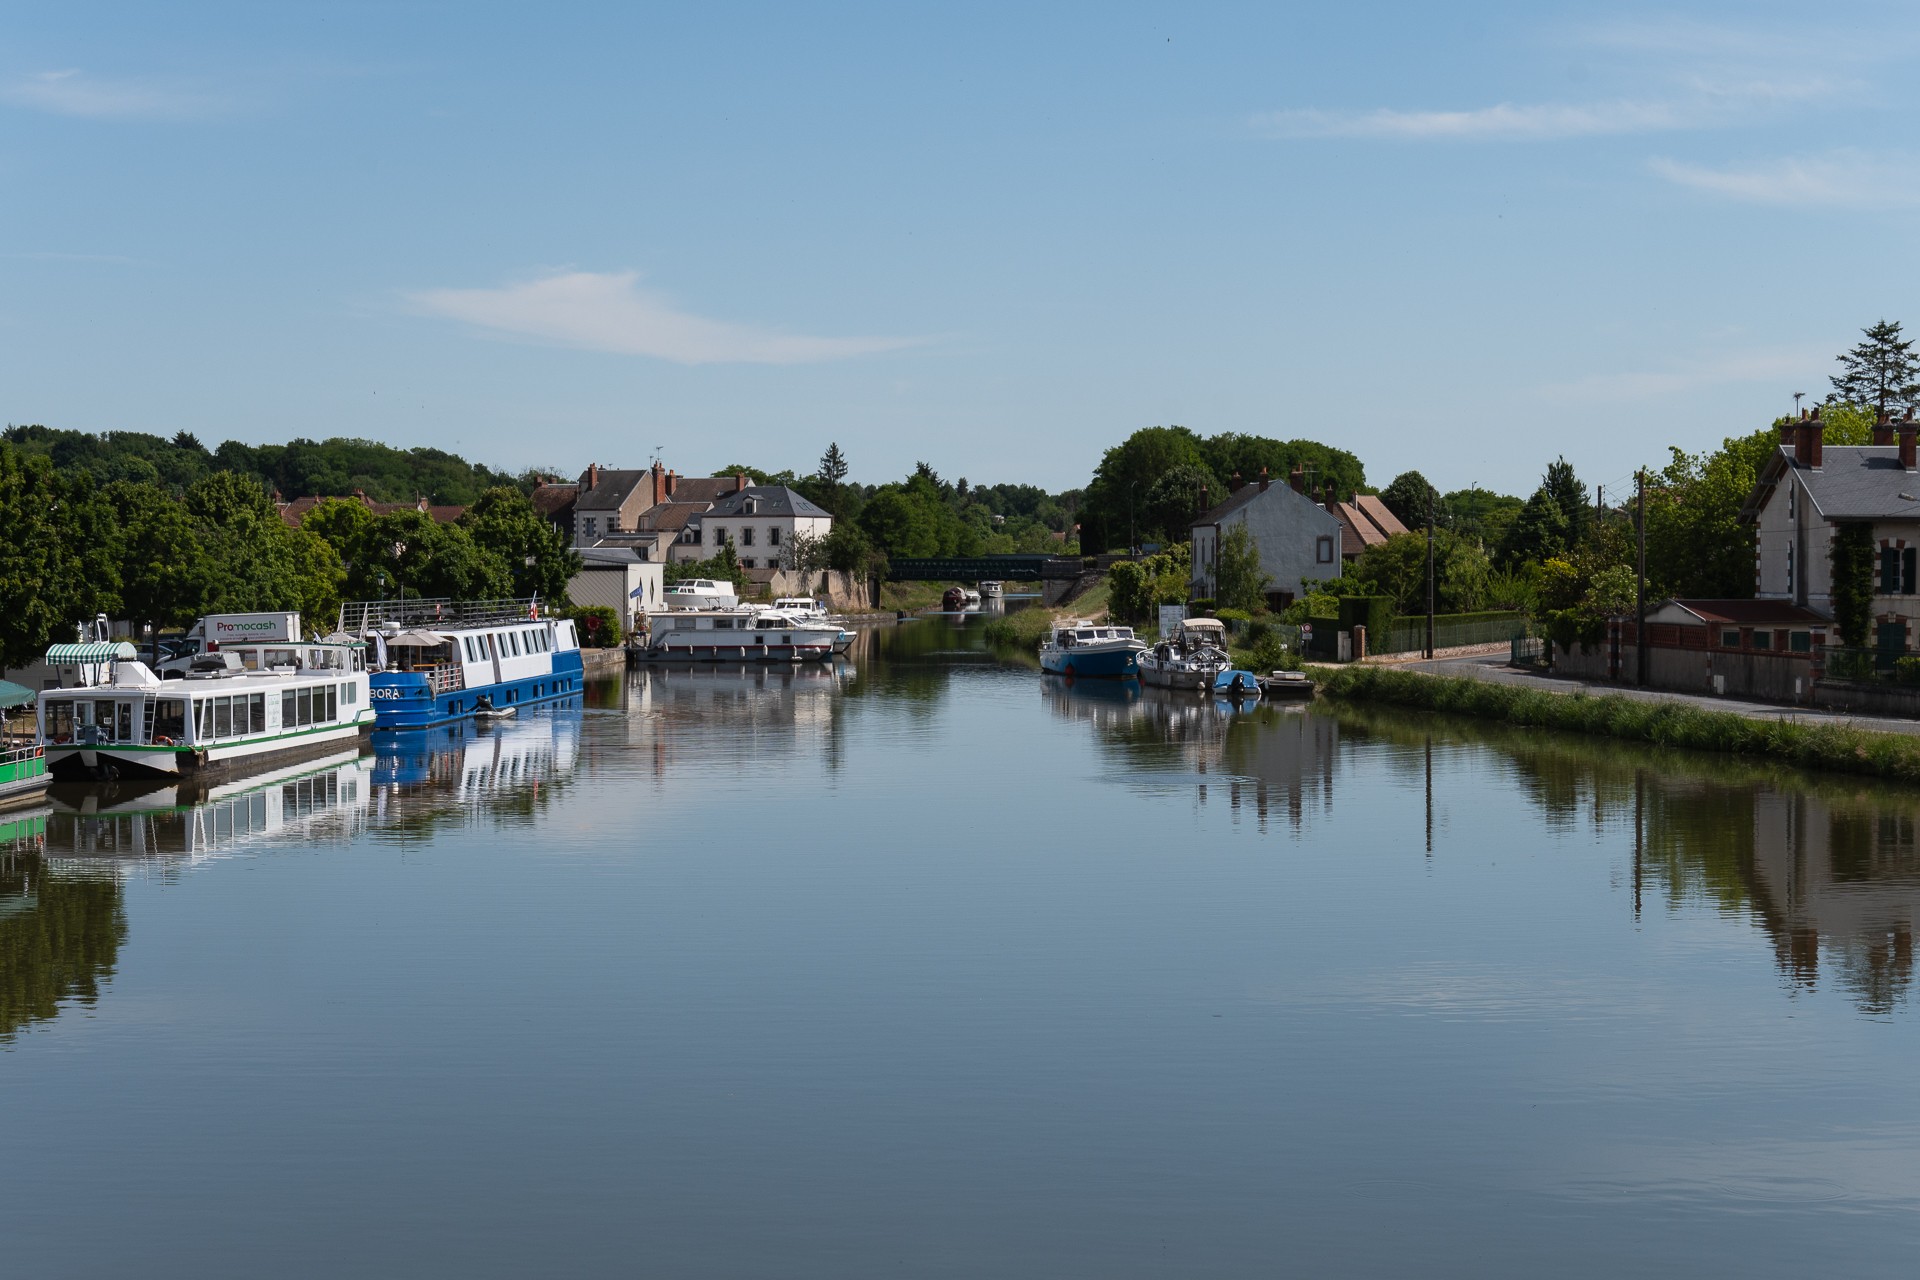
[
  {"x": 1907, "y": 670},
  {"x": 599, "y": 626}
]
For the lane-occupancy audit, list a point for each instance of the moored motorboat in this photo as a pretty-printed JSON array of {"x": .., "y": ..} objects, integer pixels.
[
  {"x": 1077, "y": 647},
  {"x": 700, "y": 593},
  {"x": 1236, "y": 684},
  {"x": 959, "y": 600},
  {"x": 1287, "y": 685},
  {"x": 737, "y": 635},
  {"x": 1191, "y": 658}
]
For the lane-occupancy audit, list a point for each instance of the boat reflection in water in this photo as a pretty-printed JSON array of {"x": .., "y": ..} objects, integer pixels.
[
  {"x": 453, "y": 773},
  {"x": 325, "y": 799},
  {"x": 708, "y": 712},
  {"x": 1266, "y": 759}
]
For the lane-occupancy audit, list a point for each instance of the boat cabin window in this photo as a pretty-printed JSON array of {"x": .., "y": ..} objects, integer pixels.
[
  {"x": 170, "y": 719},
  {"x": 723, "y": 624},
  {"x": 60, "y": 721},
  {"x": 281, "y": 658}
]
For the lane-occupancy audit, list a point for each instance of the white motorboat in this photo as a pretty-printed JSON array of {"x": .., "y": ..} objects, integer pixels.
[
  {"x": 700, "y": 593},
  {"x": 1077, "y": 647},
  {"x": 1193, "y": 657},
  {"x": 736, "y": 635}
]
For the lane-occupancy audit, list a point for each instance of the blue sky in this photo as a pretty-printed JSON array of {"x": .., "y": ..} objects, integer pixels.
[{"x": 1457, "y": 238}]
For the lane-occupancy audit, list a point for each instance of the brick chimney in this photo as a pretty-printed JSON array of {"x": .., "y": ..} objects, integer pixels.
[
  {"x": 739, "y": 481},
  {"x": 1328, "y": 492},
  {"x": 1204, "y": 503},
  {"x": 592, "y": 477},
  {"x": 1263, "y": 479},
  {"x": 1298, "y": 479},
  {"x": 1234, "y": 485},
  {"x": 1906, "y": 429},
  {"x": 673, "y": 482},
  {"x": 1883, "y": 429},
  {"x": 1790, "y": 429},
  {"x": 1809, "y": 443}
]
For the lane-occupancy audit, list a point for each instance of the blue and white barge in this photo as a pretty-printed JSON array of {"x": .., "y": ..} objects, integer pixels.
[{"x": 437, "y": 661}]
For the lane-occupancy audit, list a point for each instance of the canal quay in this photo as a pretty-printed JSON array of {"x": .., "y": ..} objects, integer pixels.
[{"x": 918, "y": 963}]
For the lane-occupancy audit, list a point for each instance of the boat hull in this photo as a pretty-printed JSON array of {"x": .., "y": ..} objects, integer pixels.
[
  {"x": 1194, "y": 680},
  {"x": 81, "y": 762},
  {"x": 23, "y": 778},
  {"x": 1087, "y": 662},
  {"x": 411, "y": 704}
]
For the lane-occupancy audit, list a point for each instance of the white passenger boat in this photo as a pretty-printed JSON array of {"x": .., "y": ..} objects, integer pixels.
[
  {"x": 736, "y": 635},
  {"x": 242, "y": 706},
  {"x": 700, "y": 593},
  {"x": 809, "y": 611}
]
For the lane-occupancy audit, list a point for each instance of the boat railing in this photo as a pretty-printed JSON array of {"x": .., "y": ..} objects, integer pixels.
[
  {"x": 447, "y": 679},
  {"x": 363, "y": 616}
]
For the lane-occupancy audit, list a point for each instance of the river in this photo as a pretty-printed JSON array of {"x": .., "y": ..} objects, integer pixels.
[{"x": 927, "y": 966}]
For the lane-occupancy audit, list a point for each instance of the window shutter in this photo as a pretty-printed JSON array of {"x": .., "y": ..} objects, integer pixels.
[{"x": 1907, "y": 567}]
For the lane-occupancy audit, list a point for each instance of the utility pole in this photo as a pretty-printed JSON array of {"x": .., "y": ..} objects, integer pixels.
[
  {"x": 1429, "y": 573},
  {"x": 1640, "y": 576}
]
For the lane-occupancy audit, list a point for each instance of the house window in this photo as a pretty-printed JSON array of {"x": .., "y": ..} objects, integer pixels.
[
  {"x": 746, "y": 535},
  {"x": 1889, "y": 571},
  {"x": 1323, "y": 550},
  {"x": 746, "y": 562},
  {"x": 1763, "y": 640},
  {"x": 1792, "y": 506},
  {"x": 1789, "y": 565},
  {"x": 593, "y": 527},
  {"x": 773, "y": 536},
  {"x": 613, "y": 524},
  {"x": 1729, "y": 639}
]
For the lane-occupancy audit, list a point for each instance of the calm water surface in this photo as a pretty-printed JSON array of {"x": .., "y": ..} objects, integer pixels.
[{"x": 927, "y": 967}]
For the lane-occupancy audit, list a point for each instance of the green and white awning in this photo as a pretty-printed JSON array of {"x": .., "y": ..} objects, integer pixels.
[
  {"x": 14, "y": 695},
  {"x": 61, "y": 655}
]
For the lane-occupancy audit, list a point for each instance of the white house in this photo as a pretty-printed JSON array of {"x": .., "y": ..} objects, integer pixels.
[
  {"x": 1808, "y": 490},
  {"x": 760, "y": 521},
  {"x": 1298, "y": 540}
]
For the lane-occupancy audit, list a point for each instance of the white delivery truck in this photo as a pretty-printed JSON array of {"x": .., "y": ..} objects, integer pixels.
[{"x": 216, "y": 629}]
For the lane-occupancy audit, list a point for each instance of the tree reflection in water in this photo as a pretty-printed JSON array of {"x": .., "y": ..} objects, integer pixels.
[
  {"x": 60, "y": 931},
  {"x": 1827, "y": 866}
]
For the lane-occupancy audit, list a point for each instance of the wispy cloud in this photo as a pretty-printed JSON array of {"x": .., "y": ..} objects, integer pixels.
[
  {"x": 1770, "y": 364},
  {"x": 1707, "y": 101},
  {"x": 75, "y": 93},
  {"x": 611, "y": 312},
  {"x": 1844, "y": 179},
  {"x": 1505, "y": 120}
]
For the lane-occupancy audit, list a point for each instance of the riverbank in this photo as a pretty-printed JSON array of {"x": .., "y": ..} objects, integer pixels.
[{"x": 1662, "y": 722}]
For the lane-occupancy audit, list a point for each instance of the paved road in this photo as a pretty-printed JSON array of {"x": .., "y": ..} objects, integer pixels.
[{"x": 1494, "y": 667}]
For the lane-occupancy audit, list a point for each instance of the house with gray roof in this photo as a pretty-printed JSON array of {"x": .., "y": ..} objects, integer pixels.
[
  {"x": 1808, "y": 490},
  {"x": 761, "y": 521},
  {"x": 1299, "y": 540}
]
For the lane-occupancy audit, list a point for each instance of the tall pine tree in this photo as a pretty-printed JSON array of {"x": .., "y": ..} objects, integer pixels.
[{"x": 1881, "y": 372}]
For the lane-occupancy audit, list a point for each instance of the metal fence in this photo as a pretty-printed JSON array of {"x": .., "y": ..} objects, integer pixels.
[
  {"x": 1450, "y": 631},
  {"x": 1870, "y": 666}
]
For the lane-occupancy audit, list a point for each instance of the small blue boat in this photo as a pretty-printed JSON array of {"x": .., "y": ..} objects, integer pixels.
[
  {"x": 1079, "y": 648},
  {"x": 1237, "y": 684}
]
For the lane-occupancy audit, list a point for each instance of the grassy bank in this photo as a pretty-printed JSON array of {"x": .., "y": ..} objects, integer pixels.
[
  {"x": 1022, "y": 629},
  {"x": 1665, "y": 724}
]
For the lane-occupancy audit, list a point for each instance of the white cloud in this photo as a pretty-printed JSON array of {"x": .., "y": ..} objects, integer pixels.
[
  {"x": 1707, "y": 100},
  {"x": 1845, "y": 179},
  {"x": 610, "y": 312},
  {"x": 1505, "y": 120},
  {"x": 74, "y": 93},
  {"x": 1771, "y": 364}
]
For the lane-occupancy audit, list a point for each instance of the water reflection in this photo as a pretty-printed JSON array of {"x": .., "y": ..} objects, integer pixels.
[
  {"x": 60, "y": 934},
  {"x": 1827, "y": 867},
  {"x": 1271, "y": 760},
  {"x": 506, "y": 771}
]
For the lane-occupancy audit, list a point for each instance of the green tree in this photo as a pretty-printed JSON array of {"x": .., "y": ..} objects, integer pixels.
[
  {"x": 1238, "y": 580},
  {"x": 1569, "y": 493},
  {"x": 58, "y": 560},
  {"x": 1853, "y": 554},
  {"x": 410, "y": 551},
  {"x": 1880, "y": 372},
  {"x": 503, "y": 523},
  {"x": 1538, "y": 533},
  {"x": 1127, "y": 474},
  {"x": 345, "y": 525},
  {"x": 165, "y": 571},
  {"x": 1414, "y": 501},
  {"x": 1398, "y": 568},
  {"x": 1168, "y": 509}
]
